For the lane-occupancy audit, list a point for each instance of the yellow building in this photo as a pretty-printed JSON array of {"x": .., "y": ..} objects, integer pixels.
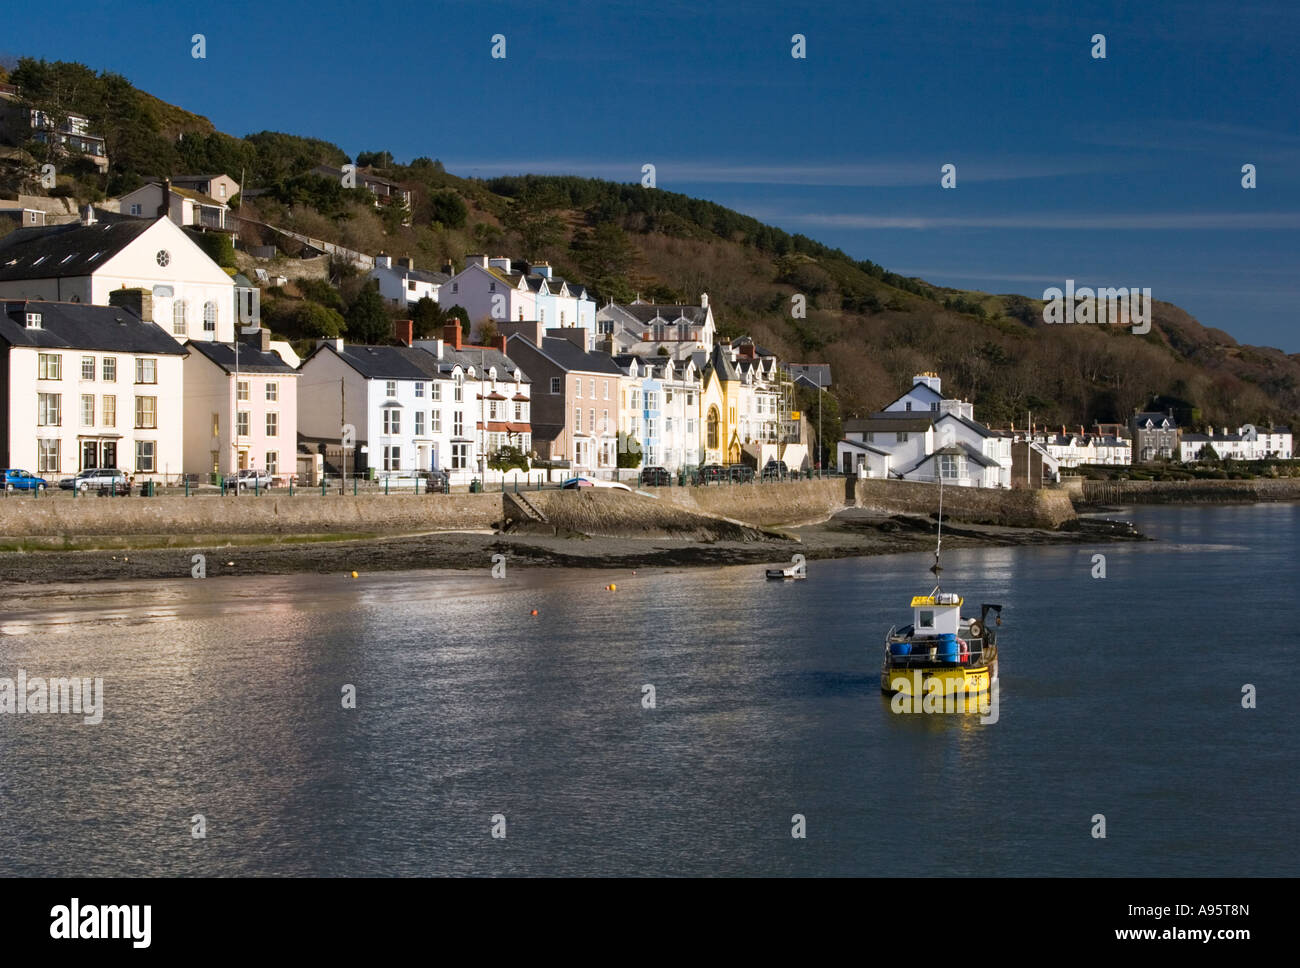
[{"x": 719, "y": 402}]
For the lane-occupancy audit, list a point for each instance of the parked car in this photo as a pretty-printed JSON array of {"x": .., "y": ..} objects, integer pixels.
[
  {"x": 18, "y": 480},
  {"x": 655, "y": 477},
  {"x": 98, "y": 479},
  {"x": 740, "y": 473},
  {"x": 711, "y": 474},
  {"x": 775, "y": 470},
  {"x": 576, "y": 482},
  {"x": 250, "y": 479},
  {"x": 437, "y": 482}
]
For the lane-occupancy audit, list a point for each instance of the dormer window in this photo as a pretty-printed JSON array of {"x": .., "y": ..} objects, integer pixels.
[{"x": 33, "y": 320}]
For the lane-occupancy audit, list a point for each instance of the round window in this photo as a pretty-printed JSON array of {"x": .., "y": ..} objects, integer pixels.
[{"x": 163, "y": 257}]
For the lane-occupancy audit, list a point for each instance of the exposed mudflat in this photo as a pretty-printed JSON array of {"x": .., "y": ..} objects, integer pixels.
[{"x": 851, "y": 532}]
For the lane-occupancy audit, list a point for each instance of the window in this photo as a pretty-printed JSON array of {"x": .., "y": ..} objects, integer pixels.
[
  {"x": 492, "y": 410},
  {"x": 419, "y": 388},
  {"x": 459, "y": 456},
  {"x": 935, "y": 406},
  {"x": 578, "y": 388},
  {"x": 949, "y": 466},
  {"x": 871, "y": 437},
  {"x": 144, "y": 456},
  {"x": 690, "y": 427},
  {"x": 636, "y": 399},
  {"x": 419, "y": 423},
  {"x": 87, "y": 410},
  {"x": 606, "y": 389},
  {"x": 135, "y": 208},
  {"x": 458, "y": 423},
  {"x": 902, "y": 437},
  {"x": 221, "y": 190},
  {"x": 241, "y": 423},
  {"x": 273, "y": 462},
  {"x": 272, "y": 391},
  {"x": 47, "y": 456},
  {"x": 110, "y": 410},
  {"x": 519, "y": 412},
  {"x": 435, "y": 421},
  {"x": 435, "y": 392},
  {"x": 110, "y": 369},
  {"x": 392, "y": 421},
  {"x": 49, "y": 410},
  {"x": 272, "y": 424},
  {"x": 216, "y": 425},
  {"x": 180, "y": 325},
  {"x": 163, "y": 258},
  {"x": 591, "y": 421},
  {"x": 591, "y": 385},
  {"x": 555, "y": 384},
  {"x": 712, "y": 430},
  {"x": 88, "y": 368},
  {"x": 146, "y": 371},
  {"x": 925, "y": 619},
  {"x": 50, "y": 367},
  {"x": 209, "y": 317},
  {"x": 146, "y": 413},
  {"x": 604, "y": 421},
  {"x": 392, "y": 458},
  {"x": 391, "y": 388},
  {"x": 458, "y": 392},
  {"x": 577, "y": 420},
  {"x": 908, "y": 405},
  {"x": 651, "y": 400}
]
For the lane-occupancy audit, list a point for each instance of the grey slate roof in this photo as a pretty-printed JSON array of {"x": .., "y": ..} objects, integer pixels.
[
  {"x": 720, "y": 363},
  {"x": 811, "y": 374},
  {"x": 923, "y": 386},
  {"x": 480, "y": 359},
  {"x": 388, "y": 362},
  {"x": 77, "y": 326},
  {"x": 568, "y": 357},
  {"x": 648, "y": 312},
  {"x": 47, "y": 252},
  {"x": 978, "y": 428},
  {"x": 251, "y": 359},
  {"x": 888, "y": 423}
]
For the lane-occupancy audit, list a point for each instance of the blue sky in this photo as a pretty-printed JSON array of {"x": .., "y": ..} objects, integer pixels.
[{"x": 1117, "y": 172}]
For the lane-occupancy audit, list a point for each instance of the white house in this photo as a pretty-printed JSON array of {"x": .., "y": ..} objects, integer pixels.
[
  {"x": 490, "y": 289},
  {"x": 220, "y": 187},
  {"x": 922, "y": 436},
  {"x": 185, "y": 206},
  {"x": 1247, "y": 443},
  {"x": 90, "y": 386},
  {"x": 85, "y": 262},
  {"x": 643, "y": 329},
  {"x": 436, "y": 405},
  {"x": 241, "y": 408},
  {"x": 403, "y": 284}
]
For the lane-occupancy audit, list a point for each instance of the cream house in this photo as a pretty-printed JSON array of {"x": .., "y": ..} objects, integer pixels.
[
  {"x": 89, "y": 386},
  {"x": 85, "y": 262}
]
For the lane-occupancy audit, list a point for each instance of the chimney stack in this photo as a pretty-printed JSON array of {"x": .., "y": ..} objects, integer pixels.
[
  {"x": 137, "y": 301},
  {"x": 451, "y": 335},
  {"x": 404, "y": 331},
  {"x": 405, "y": 262},
  {"x": 165, "y": 206},
  {"x": 500, "y": 343},
  {"x": 258, "y": 339}
]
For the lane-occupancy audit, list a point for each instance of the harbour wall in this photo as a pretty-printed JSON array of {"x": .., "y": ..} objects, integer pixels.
[
  {"x": 708, "y": 513},
  {"x": 1193, "y": 492}
]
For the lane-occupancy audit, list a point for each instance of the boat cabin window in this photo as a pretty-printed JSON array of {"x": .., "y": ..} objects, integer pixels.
[{"x": 925, "y": 619}]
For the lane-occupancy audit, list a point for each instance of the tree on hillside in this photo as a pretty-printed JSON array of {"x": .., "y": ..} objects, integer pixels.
[
  {"x": 427, "y": 319},
  {"x": 606, "y": 256},
  {"x": 445, "y": 208},
  {"x": 533, "y": 220},
  {"x": 374, "y": 159},
  {"x": 368, "y": 320}
]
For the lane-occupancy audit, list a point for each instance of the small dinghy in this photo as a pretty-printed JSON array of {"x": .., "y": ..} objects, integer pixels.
[{"x": 796, "y": 569}]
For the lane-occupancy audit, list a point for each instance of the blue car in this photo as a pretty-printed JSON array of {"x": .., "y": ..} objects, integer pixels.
[{"x": 16, "y": 480}]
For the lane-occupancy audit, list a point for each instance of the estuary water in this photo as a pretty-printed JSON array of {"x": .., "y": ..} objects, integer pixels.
[{"x": 1120, "y": 696}]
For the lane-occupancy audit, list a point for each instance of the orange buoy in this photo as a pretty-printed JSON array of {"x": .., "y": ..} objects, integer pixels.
[
  {"x": 533, "y": 612},
  {"x": 354, "y": 574},
  {"x": 613, "y": 588}
]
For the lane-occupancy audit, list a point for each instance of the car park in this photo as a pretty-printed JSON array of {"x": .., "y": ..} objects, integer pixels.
[{"x": 20, "y": 480}]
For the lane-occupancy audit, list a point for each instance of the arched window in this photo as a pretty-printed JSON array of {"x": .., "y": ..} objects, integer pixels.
[
  {"x": 209, "y": 317},
  {"x": 180, "y": 326},
  {"x": 713, "y": 428}
]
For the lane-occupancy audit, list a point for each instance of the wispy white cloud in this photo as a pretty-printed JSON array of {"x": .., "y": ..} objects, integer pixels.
[
  {"x": 1153, "y": 221},
  {"x": 874, "y": 174}
]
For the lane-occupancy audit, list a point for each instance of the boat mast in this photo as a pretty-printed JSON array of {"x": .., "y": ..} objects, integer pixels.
[{"x": 936, "y": 567}]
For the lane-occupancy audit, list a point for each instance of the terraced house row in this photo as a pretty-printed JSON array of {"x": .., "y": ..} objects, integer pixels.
[{"x": 121, "y": 346}]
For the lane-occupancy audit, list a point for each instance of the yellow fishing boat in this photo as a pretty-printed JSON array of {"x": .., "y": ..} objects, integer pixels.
[{"x": 941, "y": 654}]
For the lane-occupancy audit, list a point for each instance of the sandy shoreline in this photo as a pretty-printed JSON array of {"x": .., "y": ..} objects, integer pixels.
[{"x": 851, "y": 533}]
